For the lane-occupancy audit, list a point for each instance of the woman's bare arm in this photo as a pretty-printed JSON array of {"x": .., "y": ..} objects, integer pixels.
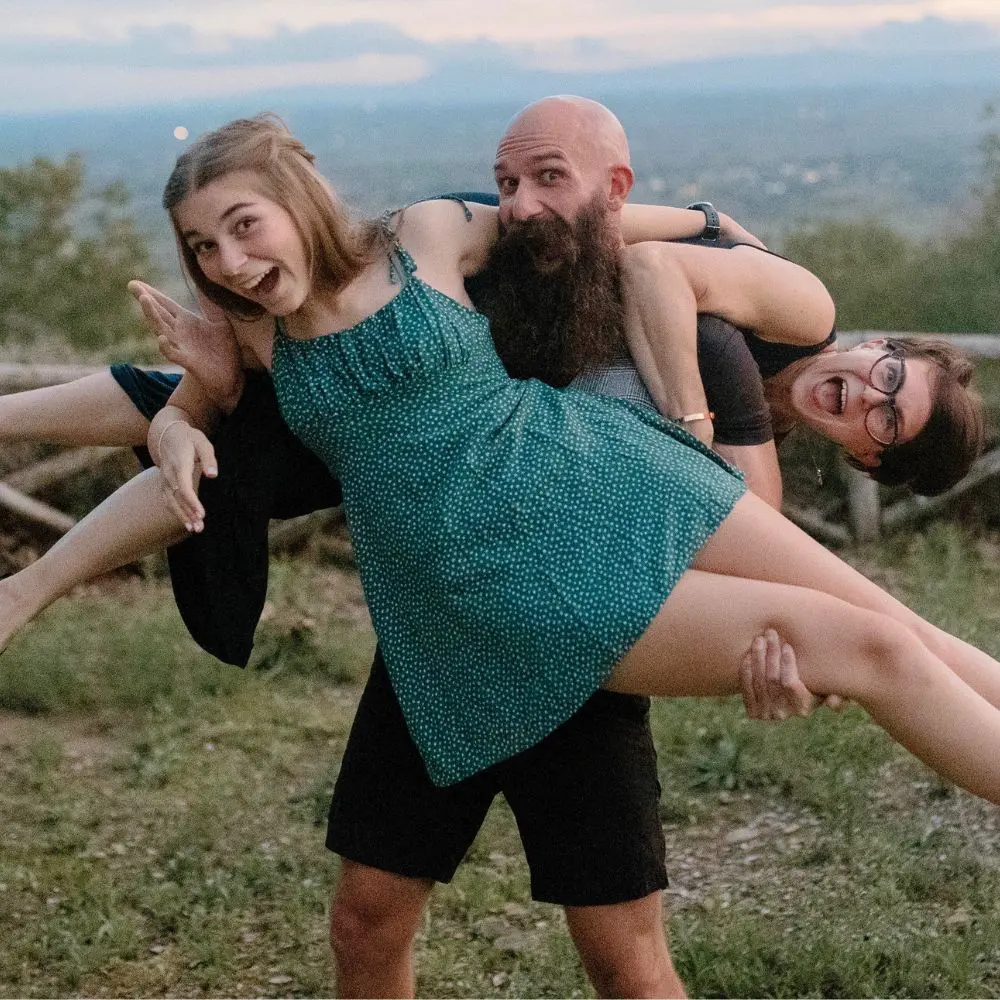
[{"x": 776, "y": 298}]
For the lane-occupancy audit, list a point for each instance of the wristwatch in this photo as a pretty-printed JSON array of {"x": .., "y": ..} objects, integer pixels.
[{"x": 713, "y": 229}]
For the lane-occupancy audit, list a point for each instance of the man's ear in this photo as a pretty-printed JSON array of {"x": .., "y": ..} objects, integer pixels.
[{"x": 621, "y": 179}]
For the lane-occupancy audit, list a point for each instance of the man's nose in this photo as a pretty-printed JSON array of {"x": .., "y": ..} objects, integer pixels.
[{"x": 523, "y": 204}]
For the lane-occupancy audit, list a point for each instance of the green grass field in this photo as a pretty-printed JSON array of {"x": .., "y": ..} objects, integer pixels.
[{"x": 163, "y": 819}]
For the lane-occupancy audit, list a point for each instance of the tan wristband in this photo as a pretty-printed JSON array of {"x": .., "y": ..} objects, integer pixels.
[{"x": 688, "y": 418}]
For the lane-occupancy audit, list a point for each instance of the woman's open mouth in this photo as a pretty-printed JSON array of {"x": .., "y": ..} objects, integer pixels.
[
  {"x": 831, "y": 395},
  {"x": 264, "y": 284}
]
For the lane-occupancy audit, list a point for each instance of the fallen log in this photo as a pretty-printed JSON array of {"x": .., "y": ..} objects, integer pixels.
[
  {"x": 35, "y": 478},
  {"x": 34, "y": 510},
  {"x": 813, "y": 524},
  {"x": 296, "y": 530}
]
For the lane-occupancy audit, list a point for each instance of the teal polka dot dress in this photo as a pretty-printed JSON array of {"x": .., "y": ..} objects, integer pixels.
[{"x": 513, "y": 540}]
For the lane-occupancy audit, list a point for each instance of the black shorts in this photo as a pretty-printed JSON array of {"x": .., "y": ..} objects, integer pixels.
[{"x": 586, "y": 801}]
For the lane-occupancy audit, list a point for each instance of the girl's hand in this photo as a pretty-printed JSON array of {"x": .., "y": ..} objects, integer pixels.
[
  {"x": 206, "y": 349},
  {"x": 183, "y": 454}
]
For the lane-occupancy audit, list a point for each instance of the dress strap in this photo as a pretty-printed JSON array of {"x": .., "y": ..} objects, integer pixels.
[{"x": 401, "y": 262}]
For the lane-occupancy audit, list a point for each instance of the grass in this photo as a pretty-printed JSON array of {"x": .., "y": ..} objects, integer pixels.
[{"x": 163, "y": 819}]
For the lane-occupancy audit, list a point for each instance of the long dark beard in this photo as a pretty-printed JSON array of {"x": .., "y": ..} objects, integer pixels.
[{"x": 552, "y": 292}]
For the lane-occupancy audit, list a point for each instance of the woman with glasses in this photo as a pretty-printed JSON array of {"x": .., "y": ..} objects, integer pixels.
[{"x": 923, "y": 432}]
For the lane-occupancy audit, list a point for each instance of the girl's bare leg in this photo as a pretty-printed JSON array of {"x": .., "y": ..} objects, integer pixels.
[
  {"x": 758, "y": 543},
  {"x": 133, "y": 522},
  {"x": 863, "y": 649},
  {"x": 93, "y": 410}
]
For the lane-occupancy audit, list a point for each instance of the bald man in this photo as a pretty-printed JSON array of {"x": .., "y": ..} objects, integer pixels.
[{"x": 586, "y": 798}]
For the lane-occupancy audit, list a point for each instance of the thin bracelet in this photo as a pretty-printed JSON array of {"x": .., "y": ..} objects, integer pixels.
[
  {"x": 170, "y": 423},
  {"x": 688, "y": 418}
]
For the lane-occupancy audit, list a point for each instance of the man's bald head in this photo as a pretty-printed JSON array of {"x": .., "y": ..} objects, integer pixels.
[
  {"x": 559, "y": 155},
  {"x": 587, "y": 128}
]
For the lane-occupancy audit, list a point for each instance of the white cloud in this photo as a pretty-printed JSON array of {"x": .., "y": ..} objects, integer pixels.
[
  {"x": 530, "y": 22},
  {"x": 159, "y": 51},
  {"x": 120, "y": 86}
]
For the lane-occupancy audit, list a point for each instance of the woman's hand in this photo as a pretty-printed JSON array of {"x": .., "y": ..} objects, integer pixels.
[
  {"x": 183, "y": 454},
  {"x": 206, "y": 349}
]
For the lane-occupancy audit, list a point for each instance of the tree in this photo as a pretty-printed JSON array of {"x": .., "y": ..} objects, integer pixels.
[
  {"x": 66, "y": 257},
  {"x": 880, "y": 280}
]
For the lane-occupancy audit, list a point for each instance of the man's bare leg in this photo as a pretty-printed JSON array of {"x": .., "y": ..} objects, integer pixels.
[
  {"x": 623, "y": 948},
  {"x": 374, "y": 917},
  {"x": 133, "y": 522}
]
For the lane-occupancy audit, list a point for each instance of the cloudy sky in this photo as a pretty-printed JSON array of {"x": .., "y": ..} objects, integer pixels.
[{"x": 72, "y": 54}]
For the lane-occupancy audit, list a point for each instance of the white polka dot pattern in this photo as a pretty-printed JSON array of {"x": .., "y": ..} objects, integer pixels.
[{"x": 514, "y": 540}]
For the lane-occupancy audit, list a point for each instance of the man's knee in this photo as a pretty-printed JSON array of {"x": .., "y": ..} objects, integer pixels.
[{"x": 375, "y": 912}]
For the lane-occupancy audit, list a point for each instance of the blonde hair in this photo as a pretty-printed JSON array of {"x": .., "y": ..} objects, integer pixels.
[{"x": 337, "y": 248}]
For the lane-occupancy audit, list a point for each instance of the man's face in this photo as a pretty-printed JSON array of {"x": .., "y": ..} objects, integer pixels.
[
  {"x": 541, "y": 173},
  {"x": 835, "y": 393}
]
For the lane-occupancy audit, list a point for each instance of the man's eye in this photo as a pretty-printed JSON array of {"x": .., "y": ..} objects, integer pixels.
[
  {"x": 550, "y": 176},
  {"x": 506, "y": 185}
]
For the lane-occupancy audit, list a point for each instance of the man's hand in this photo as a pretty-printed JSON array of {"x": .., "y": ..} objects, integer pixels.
[
  {"x": 769, "y": 676},
  {"x": 206, "y": 349},
  {"x": 772, "y": 688}
]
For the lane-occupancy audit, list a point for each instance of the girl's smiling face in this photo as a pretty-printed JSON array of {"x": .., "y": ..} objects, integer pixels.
[{"x": 246, "y": 243}]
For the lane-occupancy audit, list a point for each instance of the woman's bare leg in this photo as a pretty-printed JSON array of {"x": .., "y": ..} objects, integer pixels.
[
  {"x": 867, "y": 653},
  {"x": 758, "y": 543},
  {"x": 93, "y": 410},
  {"x": 696, "y": 643},
  {"x": 133, "y": 522}
]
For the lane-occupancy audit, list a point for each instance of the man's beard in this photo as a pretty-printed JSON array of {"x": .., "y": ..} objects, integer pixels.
[{"x": 551, "y": 290}]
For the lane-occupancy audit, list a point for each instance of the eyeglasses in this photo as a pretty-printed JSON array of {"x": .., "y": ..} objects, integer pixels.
[{"x": 887, "y": 376}]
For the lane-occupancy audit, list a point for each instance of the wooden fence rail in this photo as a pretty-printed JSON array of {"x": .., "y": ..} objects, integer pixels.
[{"x": 866, "y": 518}]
